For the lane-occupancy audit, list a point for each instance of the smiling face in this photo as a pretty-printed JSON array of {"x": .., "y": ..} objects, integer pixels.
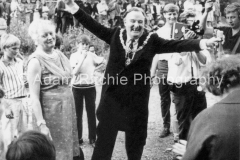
[
  {"x": 233, "y": 19},
  {"x": 47, "y": 38},
  {"x": 171, "y": 17},
  {"x": 134, "y": 23}
]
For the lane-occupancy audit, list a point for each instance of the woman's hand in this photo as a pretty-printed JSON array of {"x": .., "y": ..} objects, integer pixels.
[
  {"x": 45, "y": 130},
  {"x": 180, "y": 148}
]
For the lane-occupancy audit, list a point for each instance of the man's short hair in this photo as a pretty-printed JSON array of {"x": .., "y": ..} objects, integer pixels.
[
  {"x": 31, "y": 145},
  {"x": 85, "y": 39},
  {"x": 234, "y": 7},
  {"x": 183, "y": 16},
  {"x": 170, "y": 8},
  {"x": 136, "y": 9}
]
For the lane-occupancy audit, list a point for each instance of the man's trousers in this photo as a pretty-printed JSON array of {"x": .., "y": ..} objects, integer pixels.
[{"x": 89, "y": 95}]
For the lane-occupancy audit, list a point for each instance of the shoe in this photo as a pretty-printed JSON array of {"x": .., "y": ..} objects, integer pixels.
[
  {"x": 165, "y": 132},
  {"x": 92, "y": 142},
  {"x": 80, "y": 141}
]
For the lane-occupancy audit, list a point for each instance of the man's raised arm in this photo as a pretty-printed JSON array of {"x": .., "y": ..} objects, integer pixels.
[{"x": 88, "y": 22}]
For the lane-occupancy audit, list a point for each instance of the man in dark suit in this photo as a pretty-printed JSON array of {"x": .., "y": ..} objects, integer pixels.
[
  {"x": 84, "y": 6},
  {"x": 6, "y": 11},
  {"x": 126, "y": 85}
]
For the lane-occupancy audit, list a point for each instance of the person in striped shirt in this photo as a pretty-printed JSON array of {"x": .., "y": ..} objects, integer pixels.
[{"x": 11, "y": 80}]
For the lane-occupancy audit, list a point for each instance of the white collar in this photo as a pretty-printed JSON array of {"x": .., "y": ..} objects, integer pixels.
[{"x": 129, "y": 40}]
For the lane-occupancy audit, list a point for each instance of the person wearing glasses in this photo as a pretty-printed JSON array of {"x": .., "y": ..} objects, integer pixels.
[{"x": 11, "y": 80}]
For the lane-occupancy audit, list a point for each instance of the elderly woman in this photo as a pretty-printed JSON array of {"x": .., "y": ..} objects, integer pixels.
[
  {"x": 214, "y": 133},
  {"x": 48, "y": 74}
]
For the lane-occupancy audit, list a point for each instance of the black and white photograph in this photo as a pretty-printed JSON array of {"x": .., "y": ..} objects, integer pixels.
[{"x": 119, "y": 80}]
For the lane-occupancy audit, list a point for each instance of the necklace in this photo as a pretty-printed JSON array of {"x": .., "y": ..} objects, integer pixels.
[{"x": 133, "y": 51}]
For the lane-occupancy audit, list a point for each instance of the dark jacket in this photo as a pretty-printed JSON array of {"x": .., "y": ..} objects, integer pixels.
[
  {"x": 127, "y": 104},
  {"x": 215, "y": 132}
]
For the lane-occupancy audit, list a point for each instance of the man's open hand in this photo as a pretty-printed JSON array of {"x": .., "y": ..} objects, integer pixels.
[{"x": 70, "y": 6}]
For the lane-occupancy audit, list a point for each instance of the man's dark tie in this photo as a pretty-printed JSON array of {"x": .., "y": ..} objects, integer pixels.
[{"x": 130, "y": 54}]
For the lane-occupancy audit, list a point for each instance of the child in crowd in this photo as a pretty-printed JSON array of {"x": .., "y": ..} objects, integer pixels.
[
  {"x": 11, "y": 80},
  {"x": 84, "y": 63}
]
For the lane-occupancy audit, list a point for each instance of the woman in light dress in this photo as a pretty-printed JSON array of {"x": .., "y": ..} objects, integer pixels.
[{"x": 49, "y": 75}]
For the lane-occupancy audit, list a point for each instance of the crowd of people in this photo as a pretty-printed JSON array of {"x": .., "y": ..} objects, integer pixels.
[
  {"x": 112, "y": 14},
  {"x": 47, "y": 91}
]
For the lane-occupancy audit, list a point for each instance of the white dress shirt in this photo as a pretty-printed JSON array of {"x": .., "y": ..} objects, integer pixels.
[{"x": 179, "y": 66}]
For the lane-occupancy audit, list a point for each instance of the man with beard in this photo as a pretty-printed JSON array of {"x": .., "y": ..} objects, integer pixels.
[{"x": 126, "y": 85}]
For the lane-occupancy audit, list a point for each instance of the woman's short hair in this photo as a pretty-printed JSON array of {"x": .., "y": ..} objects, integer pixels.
[
  {"x": 223, "y": 74},
  {"x": 9, "y": 40},
  {"x": 31, "y": 145},
  {"x": 234, "y": 7},
  {"x": 36, "y": 27},
  {"x": 170, "y": 8}
]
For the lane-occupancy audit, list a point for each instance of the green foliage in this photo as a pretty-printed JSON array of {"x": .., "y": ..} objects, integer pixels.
[{"x": 20, "y": 30}]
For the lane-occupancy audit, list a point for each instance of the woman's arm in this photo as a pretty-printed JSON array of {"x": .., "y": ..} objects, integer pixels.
[{"x": 34, "y": 80}]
